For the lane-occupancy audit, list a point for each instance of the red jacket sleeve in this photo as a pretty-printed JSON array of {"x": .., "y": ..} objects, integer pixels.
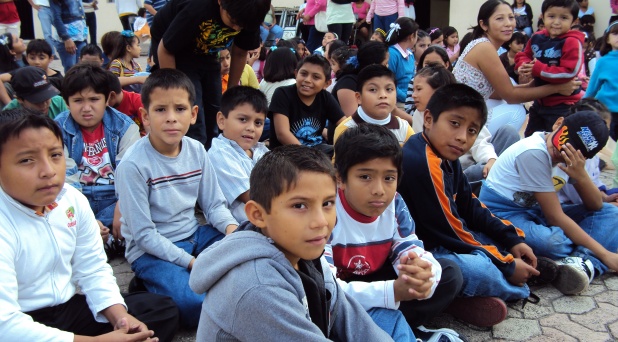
[
  {"x": 524, "y": 56},
  {"x": 570, "y": 64}
]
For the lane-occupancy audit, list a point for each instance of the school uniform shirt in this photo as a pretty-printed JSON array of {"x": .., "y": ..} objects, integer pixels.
[
  {"x": 401, "y": 62},
  {"x": 360, "y": 245},
  {"x": 194, "y": 32},
  {"x": 233, "y": 167},
  {"x": 306, "y": 122},
  {"x": 401, "y": 128},
  {"x": 446, "y": 212},
  {"x": 44, "y": 257}
]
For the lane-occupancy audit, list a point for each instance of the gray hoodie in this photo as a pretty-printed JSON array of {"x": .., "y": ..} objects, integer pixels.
[{"x": 254, "y": 294}]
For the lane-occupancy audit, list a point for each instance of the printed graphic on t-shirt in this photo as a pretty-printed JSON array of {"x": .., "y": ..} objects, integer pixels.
[
  {"x": 214, "y": 37},
  {"x": 95, "y": 167},
  {"x": 307, "y": 131},
  {"x": 525, "y": 199}
]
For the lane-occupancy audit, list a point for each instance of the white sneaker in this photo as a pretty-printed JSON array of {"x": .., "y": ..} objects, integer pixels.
[{"x": 574, "y": 275}]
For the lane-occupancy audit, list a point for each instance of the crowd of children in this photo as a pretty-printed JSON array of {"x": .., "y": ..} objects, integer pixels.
[{"x": 355, "y": 193}]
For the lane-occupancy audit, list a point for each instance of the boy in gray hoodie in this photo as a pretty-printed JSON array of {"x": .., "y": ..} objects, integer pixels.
[{"x": 280, "y": 288}]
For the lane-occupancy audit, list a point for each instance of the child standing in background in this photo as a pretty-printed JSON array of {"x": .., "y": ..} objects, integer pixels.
[
  {"x": 386, "y": 12},
  {"x": 451, "y": 43}
]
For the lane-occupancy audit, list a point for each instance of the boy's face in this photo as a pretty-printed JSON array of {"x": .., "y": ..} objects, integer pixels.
[
  {"x": 421, "y": 45},
  {"x": 243, "y": 125},
  {"x": 32, "y": 168},
  {"x": 42, "y": 107},
  {"x": 225, "y": 58},
  {"x": 94, "y": 60},
  {"x": 301, "y": 219},
  {"x": 169, "y": 116},
  {"x": 557, "y": 20},
  {"x": 310, "y": 80},
  {"x": 370, "y": 186},
  {"x": 40, "y": 60},
  {"x": 455, "y": 131},
  {"x": 87, "y": 108},
  {"x": 378, "y": 97}
]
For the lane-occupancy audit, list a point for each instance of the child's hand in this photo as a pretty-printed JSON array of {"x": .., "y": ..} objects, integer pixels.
[
  {"x": 612, "y": 199},
  {"x": 488, "y": 166},
  {"x": 524, "y": 252},
  {"x": 104, "y": 231},
  {"x": 415, "y": 278},
  {"x": 568, "y": 88},
  {"x": 611, "y": 261},
  {"x": 526, "y": 69},
  {"x": 574, "y": 162},
  {"x": 522, "y": 273},
  {"x": 126, "y": 331}
]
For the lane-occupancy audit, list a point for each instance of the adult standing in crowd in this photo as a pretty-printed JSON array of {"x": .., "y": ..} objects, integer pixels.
[
  {"x": 127, "y": 11},
  {"x": 340, "y": 18},
  {"x": 152, "y": 7},
  {"x": 72, "y": 32},
  {"x": 45, "y": 18},
  {"x": 91, "y": 18},
  {"x": 9, "y": 19}
]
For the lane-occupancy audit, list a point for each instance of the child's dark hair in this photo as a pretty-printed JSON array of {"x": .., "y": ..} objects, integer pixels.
[
  {"x": 240, "y": 95},
  {"x": 456, "y": 95},
  {"x": 406, "y": 28},
  {"x": 246, "y": 18},
  {"x": 518, "y": 37},
  {"x": 107, "y": 42},
  {"x": 587, "y": 22},
  {"x": 7, "y": 59},
  {"x": 141, "y": 12},
  {"x": 371, "y": 52},
  {"x": 279, "y": 170},
  {"x": 372, "y": 71},
  {"x": 286, "y": 43},
  {"x": 540, "y": 22},
  {"x": 334, "y": 45},
  {"x": 13, "y": 122},
  {"x": 280, "y": 65},
  {"x": 465, "y": 40},
  {"x": 83, "y": 76},
  {"x": 420, "y": 34},
  {"x": 114, "y": 82},
  {"x": 440, "y": 51},
  {"x": 341, "y": 56},
  {"x": 448, "y": 31},
  {"x": 571, "y": 5},
  {"x": 363, "y": 143},
  {"x": 316, "y": 60},
  {"x": 485, "y": 12},
  {"x": 436, "y": 76},
  {"x": 605, "y": 47},
  {"x": 121, "y": 42},
  {"x": 91, "y": 50},
  {"x": 37, "y": 46},
  {"x": 434, "y": 33},
  {"x": 167, "y": 79},
  {"x": 590, "y": 104}
]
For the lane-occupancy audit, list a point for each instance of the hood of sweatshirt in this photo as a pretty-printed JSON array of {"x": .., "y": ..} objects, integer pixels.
[{"x": 570, "y": 34}]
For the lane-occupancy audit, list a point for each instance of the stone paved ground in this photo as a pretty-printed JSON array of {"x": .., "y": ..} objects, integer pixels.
[{"x": 592, "y": 316}]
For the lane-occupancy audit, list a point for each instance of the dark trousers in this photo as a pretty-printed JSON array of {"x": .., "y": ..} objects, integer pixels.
[
  {"x": 542, "y": 118},
  {"x": 302, "y": 31},
  {"x": 613, "y": 126},
  {"x": 127, "y": 21},
  {"x": 91, "y": 22},
  {"x": 315, "y": 39},
  {"x": 343, "y": 31},
  {"x": 158, "y": 312},
  {"x": 419, "y": 312}
]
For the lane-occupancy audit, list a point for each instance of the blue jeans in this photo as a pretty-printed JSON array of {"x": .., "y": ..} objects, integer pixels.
[
  {"x": 275, "y": 32},
  {"x": 102, "y": 199},
  {"x": 45, "y": 17},
  {"x": 481, "y": 278},
  {"x": 384, "y": 22},
  {"x": 66, "y": 58},
  {"x": 550, "y": 241},
  {"x": 393, "y": 323},
  {"x": 166, "y": 278}
]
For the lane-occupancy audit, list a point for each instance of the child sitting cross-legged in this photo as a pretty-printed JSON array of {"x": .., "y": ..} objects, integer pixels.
[
  {"x": 158, "y": 183},
  {"x": 50, "y": 247},
  {"x": 268, "y": 280},
  {"x": 374, "y": 247},
  {"x": 493, "y": 257},
  {"x": 236, "y": 150},
  {"x": 34, "y": 91}
]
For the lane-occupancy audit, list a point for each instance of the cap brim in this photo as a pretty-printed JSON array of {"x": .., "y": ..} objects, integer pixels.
[{"x": 42, "y": 95}]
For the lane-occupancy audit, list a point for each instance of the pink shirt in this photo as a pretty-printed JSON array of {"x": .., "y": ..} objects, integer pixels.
[
  {"x": 386, "y": 7},
  {"x": 614, "y": 5},
  {"x": 312, "y": 8},
  {"x": 362, "y": 11}
]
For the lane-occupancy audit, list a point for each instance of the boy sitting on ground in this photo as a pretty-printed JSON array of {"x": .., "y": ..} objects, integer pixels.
[
  {"x": 300, "y": 111},
  {"x": 50, "y": 247},
  {"x": 522, "y": 186},
  {"x": 34, "y": 91},
  {"x": 267, "y": 279},
  {"x": 39, "y": 54},
  {"x": 126, "y": 102},
  {"x": 453, "y": 223},
  {"x": 158, "y": 183},
  {"x": 374, "y": 232},
  {"x": 236, "y": 150}
]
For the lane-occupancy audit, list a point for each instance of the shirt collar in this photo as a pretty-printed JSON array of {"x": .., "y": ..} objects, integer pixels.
[{"x": 404, "y": 53}]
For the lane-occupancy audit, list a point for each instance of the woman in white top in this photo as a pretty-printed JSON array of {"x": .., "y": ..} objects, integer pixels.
[{"x": 340, "y": 18}]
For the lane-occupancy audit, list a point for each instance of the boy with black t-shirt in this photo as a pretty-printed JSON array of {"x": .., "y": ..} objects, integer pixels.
[
  {"x": 299, "y": 111},
  {"x": 187, "y": 34}
]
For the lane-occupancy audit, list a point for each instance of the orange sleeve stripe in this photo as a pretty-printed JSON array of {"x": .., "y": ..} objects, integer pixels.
[
  {"x": 437, "y": 179},
  {"x": 506, "y": 222}
]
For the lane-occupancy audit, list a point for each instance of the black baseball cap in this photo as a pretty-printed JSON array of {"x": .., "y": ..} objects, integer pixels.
[
  {"x": 31, "y": 84},
  {"x": 585, "y": 131}
]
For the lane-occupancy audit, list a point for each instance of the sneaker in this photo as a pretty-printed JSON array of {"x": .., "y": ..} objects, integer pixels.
[
  {"x": 574, "y": 275},
  {"x": 479, "y": 311},
  {"x": 548, "y": 269},
  {"x": 437, "y": 335}
]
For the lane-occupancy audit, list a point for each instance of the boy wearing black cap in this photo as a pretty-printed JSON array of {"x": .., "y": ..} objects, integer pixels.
[
  {"x": 522, "y": 186},
  {"x": 33, "y": 91}
]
